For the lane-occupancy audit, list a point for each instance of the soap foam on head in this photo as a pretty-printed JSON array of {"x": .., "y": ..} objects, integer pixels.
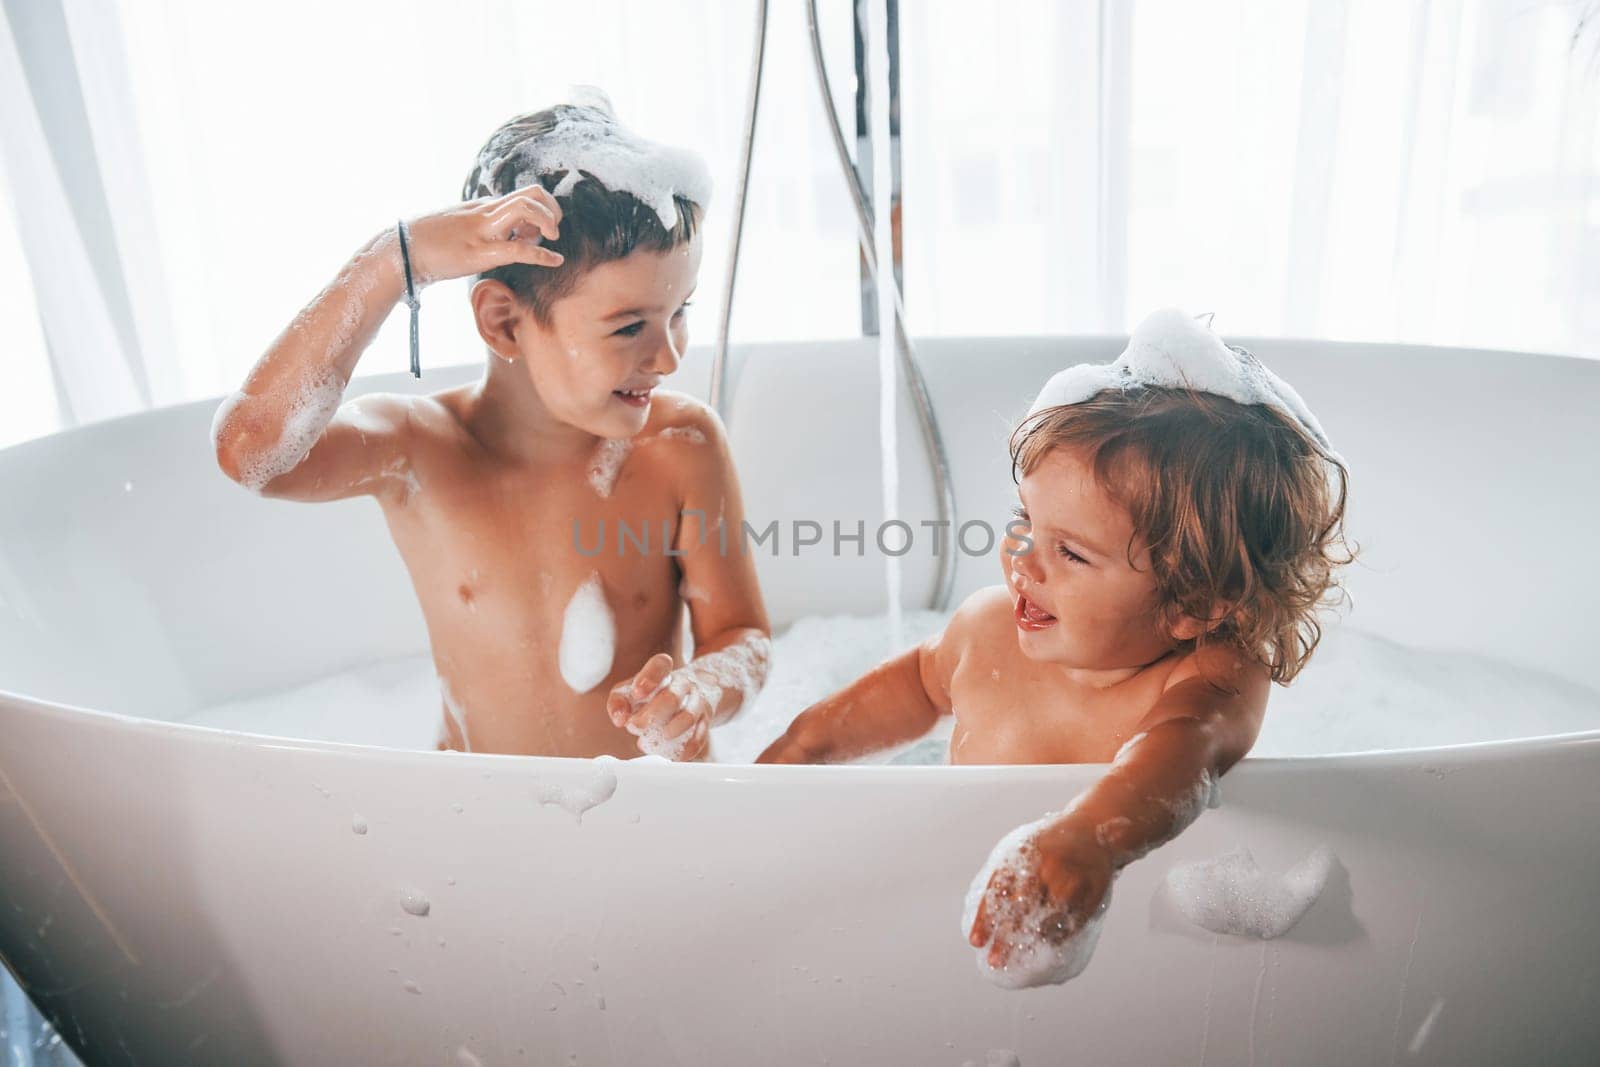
[
  {"x": 1174, "y": 350},
  {"x": 589, "y": 141}
]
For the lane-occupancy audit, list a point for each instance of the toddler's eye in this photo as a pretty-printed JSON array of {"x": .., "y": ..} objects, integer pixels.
[
  {"x": 687, "y": 304},
  {"x": 630, "y": 330},
  {"x": 1020, "y": 512},
  {"x": 1063, "y": 550}
]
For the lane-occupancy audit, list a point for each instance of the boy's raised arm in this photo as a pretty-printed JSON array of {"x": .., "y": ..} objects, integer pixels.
[{"x": 283, "y": 433}]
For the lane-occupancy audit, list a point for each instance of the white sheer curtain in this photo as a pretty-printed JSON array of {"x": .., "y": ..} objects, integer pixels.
[
  {"x": 184, "y": 175},
  {"x": 1356, "y": 169}
]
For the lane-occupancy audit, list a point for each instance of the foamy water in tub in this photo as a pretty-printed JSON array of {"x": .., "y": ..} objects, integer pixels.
[{"x": 1361, "y": 693}]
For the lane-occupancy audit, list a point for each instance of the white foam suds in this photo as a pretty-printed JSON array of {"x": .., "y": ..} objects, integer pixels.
[
  {"x": 308, "y": 414},
  {"x": 1361, "y": 693},
  {"x": 606, "y": 463},
  {"x": 700, "y": 687},
  {"x": 1033, "y": 958},
  {"x": 588, "y": 637},
  {"x": 590, "y": 791},
  {"x": 587, "y": 138},
  {"x": 1173, "y": 349},
  {"x": 1232, "y": 895},
  {"x": 691, "y": 434},
  {"x": 414, "y": 902},
  {"x": 1205, "y": 793},
  {"x": 693, "y": 695}
]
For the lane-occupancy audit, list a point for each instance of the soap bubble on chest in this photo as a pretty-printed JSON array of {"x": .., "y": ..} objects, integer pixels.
[{"x": 588, "y": 637}]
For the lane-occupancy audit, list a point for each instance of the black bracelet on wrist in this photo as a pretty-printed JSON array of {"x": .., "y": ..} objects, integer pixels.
[{"x": 411, "y": 298}]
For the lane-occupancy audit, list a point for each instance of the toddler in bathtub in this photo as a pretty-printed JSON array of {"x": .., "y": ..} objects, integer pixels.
[
  {"x": 1180, "y": 520},
  {"x": 504, "y": 496}
]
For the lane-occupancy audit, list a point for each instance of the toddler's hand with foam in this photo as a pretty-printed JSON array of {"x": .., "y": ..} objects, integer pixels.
[
  {"x": 1039, "y": 902},
  {"x": 480, "y": 235},
  {"x": 668, "y": 710}
]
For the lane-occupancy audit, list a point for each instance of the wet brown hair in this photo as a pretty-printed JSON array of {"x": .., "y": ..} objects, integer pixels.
[
  {"x": 1237, "y": 502},
  {"x": 598, "y": 225}
]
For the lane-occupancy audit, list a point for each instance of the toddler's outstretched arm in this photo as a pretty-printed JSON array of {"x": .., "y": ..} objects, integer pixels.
[
  {"x": 1048, "y": 885},
  {"x": 897, "y": 701}
]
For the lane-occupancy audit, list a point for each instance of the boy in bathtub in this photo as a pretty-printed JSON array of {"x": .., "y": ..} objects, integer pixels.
[
  {"x": 584, "y": 242},
  {"x": 1178, "y": 526}
]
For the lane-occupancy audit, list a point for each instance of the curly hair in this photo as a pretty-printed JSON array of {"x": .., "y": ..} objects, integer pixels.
[
  {"x": 1240, "y": 508},
  {"x": 598, "y": 224}
]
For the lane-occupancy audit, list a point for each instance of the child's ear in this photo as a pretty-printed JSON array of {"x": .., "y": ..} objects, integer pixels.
[{"x": 498, "y": 314}]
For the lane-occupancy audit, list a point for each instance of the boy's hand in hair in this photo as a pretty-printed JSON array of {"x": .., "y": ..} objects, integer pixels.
[{"x": 480, "y": 235}]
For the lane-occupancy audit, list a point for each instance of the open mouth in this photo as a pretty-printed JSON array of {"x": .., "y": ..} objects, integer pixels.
[
  {"x": 1032, "y": 617},
  {"x": 633, "y": 397}
]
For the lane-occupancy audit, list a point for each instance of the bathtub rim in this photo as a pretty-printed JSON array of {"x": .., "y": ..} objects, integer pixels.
[{"x": 195, "y": 733}]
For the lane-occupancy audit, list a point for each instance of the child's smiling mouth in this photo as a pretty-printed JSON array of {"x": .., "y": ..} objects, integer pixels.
[
  {"x": 1031, "y": 617},
  {"x": 637, "y": 398}
]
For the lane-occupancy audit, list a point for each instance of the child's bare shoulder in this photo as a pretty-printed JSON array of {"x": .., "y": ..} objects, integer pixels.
[
  {"x": 685, "y": 440},
  {"x": 682, "y": 422},
  {"x": 1221, "y": 688},
  {"x": 1221, "y": 667},
  {"x": 972, "y": 628},
  {"x": 983, "y": 614}
]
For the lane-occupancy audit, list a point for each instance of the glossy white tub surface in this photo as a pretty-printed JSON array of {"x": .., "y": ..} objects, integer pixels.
[{"x": 173, "y": 894}]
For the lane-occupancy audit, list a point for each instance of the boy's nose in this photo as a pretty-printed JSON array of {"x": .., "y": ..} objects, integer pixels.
[{"x": 666, "y": 357}]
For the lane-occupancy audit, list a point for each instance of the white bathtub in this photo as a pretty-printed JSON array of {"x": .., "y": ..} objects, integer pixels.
[{"x": 173, "y": 894}]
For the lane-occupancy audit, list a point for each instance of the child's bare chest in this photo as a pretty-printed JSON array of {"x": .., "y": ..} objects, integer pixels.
[
  {"x": 1009, "y": 709},
  {"x": 505, "y": 553}
]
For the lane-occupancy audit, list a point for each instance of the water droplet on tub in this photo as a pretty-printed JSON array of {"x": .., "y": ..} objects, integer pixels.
[
  {"x": 456, "y": 807},
  {"x": 412, "y": 987},
  {"x": 358, "y": 825},
  {"x": 127, "y": 487},
  {"x": 414, "y": 902}
]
